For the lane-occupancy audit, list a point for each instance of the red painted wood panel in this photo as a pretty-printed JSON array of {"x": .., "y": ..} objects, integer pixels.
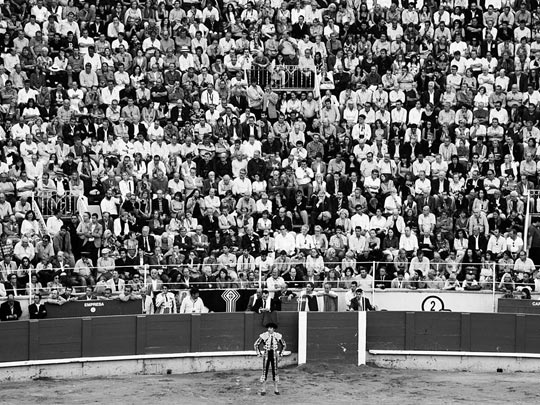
[
  {"x": 386, "y": 330},
  {"x": 493, "y": 333},
  {"x": 332, "y": 337},
  {"x": 14, "y": 341},
  {"x": 114, "y": 336},
  {"x": 167, "y": 334},
  {"x": 435, "y": 331},
  {"x": 58, "y": 338},
  {"x": 222, "y": 332}
]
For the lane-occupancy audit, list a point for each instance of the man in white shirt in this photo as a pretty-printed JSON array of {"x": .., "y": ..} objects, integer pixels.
[
  {"x": 357, "y": 241},
  {"x": 408, "y": 242},
  {"x": 274, "y": 283},
  {"x": 192, "y": 304},
  {"x": 497, "y": 243},
  {"x": 241, "y": 184},
  {"x": 360, "y": 219},
  {"x": 285, "y": 241},
  {"x": 110, "y": 204}
]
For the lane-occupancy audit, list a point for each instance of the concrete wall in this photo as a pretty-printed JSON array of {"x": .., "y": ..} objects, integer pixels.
[{"x": 149, "y": 366}]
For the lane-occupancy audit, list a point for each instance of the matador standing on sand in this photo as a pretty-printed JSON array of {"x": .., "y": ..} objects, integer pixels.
[{"x": 273, "y": 346}]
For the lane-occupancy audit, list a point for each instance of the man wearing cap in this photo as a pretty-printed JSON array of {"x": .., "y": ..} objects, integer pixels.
[{"x": 185, "y": 61}]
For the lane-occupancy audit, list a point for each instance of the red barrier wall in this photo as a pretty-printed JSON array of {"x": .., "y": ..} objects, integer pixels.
[
  {"x": 141, "y": 334},
  {"x": 330, "y": 336},
  {"x": 452, "y": 331}
]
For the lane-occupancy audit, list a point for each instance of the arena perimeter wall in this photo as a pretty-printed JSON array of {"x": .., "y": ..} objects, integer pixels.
[{"x": 392, "y": 339}]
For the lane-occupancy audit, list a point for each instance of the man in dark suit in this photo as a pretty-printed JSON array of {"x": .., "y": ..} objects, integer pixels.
[
  {"x": 281, "y": 219},
  {"x": 239, "y": 101},
  {"x": 97, "y": 28},
  {"x": 206, "y": 280},
  {"x": 440, "y": 185},
  {"x": 383, "y": 279},
  {"x": 183, "y": 242},
  {"x": 264, "y": 303},
  {"x": 300, "y": 29},
  {"x": 412, "y": 148},
  {"x": 37, "y": 310},
  {"x": 146, "y": 242},
  {"x": 161, "y": 204},
  {"x": 335, "y": 184},
  {"x": 497, "y": 203},
  {"x": 338, "y": 202},
  {"x": 474, "y": 184},
  {"x": 514, "y": 149},
  {"x": 396, "y": 147},
  {"x": 360, "y": 303},
  {"x": 520, "y": 79},
  {"x": 352, "y": 183},
  {"x": 294, "y": 279},
  {"x": 250, "y": 241},
  {"x": 477, "y": 241},
  {"x": 430, "y": 146},
  {"x": 320, "y": 209},
  {"x": 47, "y": 111},
  {"x": 256, "y": 165},
  {"x": 253, "y": 299},
  {"x": 431, "y": 95},
  {"x": 11, "y": 309},
  {"x": 284, "y": 295},
  {"x": 11, "y": 286},
  {"x": 85, "y": 129}
]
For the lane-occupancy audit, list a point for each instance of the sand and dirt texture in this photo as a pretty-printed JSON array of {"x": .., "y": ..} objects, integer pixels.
[{"x": 311, "y": 384}]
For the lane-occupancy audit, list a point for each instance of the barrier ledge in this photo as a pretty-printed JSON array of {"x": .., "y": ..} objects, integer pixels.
[
  {"x": 454, "y": 361},
  {"x": 147, "y": 364}
]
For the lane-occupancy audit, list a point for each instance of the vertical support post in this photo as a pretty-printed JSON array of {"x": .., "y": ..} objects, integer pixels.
[
  {"x": 465, "y": 342},
  {"x": 373, "y": 271},
  {"x": 493, "y": 297},
  {"x": 249, "y": 339},
  {"x": 409, "y": 331},
  {"x": 362, "y": 337},
  {"x": 302, "y": 337},
  {"x": 87, "y": 346},
  {"x": 521, "y": 331},
  {"x": 33, "y": 339},
  {"x": 140, "y": 334},
  {"x": 195, "y": 333}
]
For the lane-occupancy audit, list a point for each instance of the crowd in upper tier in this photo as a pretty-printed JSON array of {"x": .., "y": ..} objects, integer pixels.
[{"x": 215, "y": 141}]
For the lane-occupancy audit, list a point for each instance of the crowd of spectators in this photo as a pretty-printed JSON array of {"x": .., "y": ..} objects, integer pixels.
[{"x": 407, "y": 135}]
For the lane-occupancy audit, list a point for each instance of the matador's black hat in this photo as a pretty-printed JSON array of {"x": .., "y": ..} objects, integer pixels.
[{"x": 271, "y": 325}]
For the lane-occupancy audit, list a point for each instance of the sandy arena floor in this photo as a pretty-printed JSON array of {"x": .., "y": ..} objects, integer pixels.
[{"x": 323, "y": 384}]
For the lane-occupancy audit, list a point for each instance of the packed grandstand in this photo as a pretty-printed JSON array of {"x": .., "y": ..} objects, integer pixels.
[{"x": 166, "y": 145}]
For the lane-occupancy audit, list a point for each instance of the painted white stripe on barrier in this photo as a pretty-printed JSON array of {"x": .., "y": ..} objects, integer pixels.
[
  {"x": 302, "y": 337},
  {"x": 362, "y": 337},
  {"x": 453, "y": 353},
  {"x": 122, "y": 358}
]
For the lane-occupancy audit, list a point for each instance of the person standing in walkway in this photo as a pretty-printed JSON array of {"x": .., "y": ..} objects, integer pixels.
[{"x": 270, "y": 346}]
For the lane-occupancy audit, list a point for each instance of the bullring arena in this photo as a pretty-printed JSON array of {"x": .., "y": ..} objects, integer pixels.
[{"x": 301, "y": 201}]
